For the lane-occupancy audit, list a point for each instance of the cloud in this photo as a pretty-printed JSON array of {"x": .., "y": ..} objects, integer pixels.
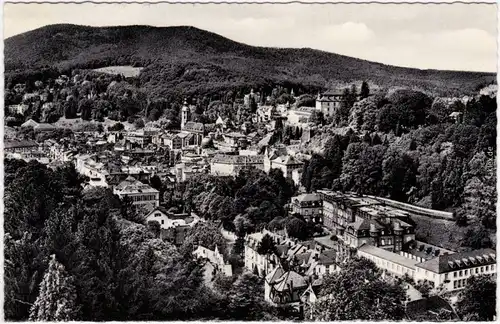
[{"x": 349, "y": 32}]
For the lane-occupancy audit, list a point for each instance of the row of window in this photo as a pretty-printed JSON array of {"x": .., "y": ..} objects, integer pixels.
[
  {"x": 143, "y": 198},
  {"x": 477, "y": 270}
]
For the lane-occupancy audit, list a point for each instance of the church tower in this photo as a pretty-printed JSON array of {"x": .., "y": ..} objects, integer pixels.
[{"x": 184, "y": 114}]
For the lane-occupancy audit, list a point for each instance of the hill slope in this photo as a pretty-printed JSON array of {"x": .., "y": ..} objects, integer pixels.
[{"x": 186, "y": 57}]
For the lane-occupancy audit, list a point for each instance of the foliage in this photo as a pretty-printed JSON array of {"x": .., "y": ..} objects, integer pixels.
[
  {"x": 477, "y": 302},
  {"x": 357, "y": 293},
  {"x": 57, "y": 298}
]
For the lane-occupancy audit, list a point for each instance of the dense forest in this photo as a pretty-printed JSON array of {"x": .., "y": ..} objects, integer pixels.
[
  {"x": 189, "y": 61},
  {"x": 76, "y": 255}
]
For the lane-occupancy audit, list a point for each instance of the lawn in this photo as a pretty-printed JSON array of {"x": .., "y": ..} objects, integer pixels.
[{"x": 126, "y": 70}]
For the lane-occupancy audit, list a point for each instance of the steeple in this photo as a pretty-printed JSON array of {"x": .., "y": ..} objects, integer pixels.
[{"x": 184, "y": 114}]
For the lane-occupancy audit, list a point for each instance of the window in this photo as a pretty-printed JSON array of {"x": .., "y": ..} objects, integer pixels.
[
  {"x": 157, "y": 214},
  {"x": 466, "y": 272},
  {"x": 477, "y": 270},
  {"x": 455, "y": 284},
  {"x": 461, "y": 273},
  {"x": 487, "y": 268},
  {"x": 162, "y": 221},
  {"x": 482, "y": 269}
]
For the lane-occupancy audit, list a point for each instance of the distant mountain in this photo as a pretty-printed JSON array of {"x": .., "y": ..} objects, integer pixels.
[{"x": 180, "y": 58}]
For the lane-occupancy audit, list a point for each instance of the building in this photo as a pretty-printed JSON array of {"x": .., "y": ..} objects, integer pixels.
[
  {"x": 265, "y": 114},
  {"x": 358, "y": 220},
  {"x": 309, "y": 206},
  {"x": 20, "y": 146},
  {"x": 329, "y": 102},
  {"x": 277, "y": 157},
  {"x": 38, "y": 127},
  {"x": 287, "y": 164},
  {"x": 284, "y": 287},
  {"x": 231, "y": 165},
  {"x": 389, "y": 262},
  {"x": 143, "y": 136},
  {"x": 19, "y": 109},
  {"x": 138, "y": 192},
  {"x": 216, "y": 258},
  {"x": 447, "y": 271},
  {"x": 197, "y": 132},
  {"x": 451, "y": 271},
  {"x": 300, "y": 116},
  {"x": 168, "y": 220}
]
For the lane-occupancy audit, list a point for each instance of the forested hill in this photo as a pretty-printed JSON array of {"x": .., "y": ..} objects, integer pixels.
[{"x": 189, "y": 58}]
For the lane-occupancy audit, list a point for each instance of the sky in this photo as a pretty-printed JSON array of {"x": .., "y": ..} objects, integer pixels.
[{"x": 427, "y": 36}]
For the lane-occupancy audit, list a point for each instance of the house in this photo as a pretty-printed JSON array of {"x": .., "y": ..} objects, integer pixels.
[
  {"x": 329, "y": 102},
  {"x": 12, "y": 146},
  {"x": 287, "y": 164},
  {"x": 310, "y": 206},
  {"x": 170, "y": 140},
  {"x": 184, "y": 172},
  {"x": 142, "y": 137},
  {"x": 216, "y": 258},
  {"x": 235, "y": 139},
  {"x": 89, "y": 166},
  {"x": 231, "y": 165},
  {"x": 138, "y": 192},
  {"x": 284, "y": 287},
  {"x": 168, "y": 220}
]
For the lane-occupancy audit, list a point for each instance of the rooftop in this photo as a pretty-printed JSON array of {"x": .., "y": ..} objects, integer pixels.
[
  {"x": 389, "y": 256},
  {"x": 458, "y": 261}
]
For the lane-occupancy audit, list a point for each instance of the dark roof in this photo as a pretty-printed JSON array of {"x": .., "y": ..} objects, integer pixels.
[
  {"x": 19, "y": 144},
  {"x": 458, "y": 261},
  {"x": 427, "y": 308},
  {"x": 238, "y": 159},
  {"x": 194, "y": 127},
  {"x": 424, "y": 250}
]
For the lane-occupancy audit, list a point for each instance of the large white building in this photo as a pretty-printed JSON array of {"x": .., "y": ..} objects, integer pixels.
[
  {"x": 231, "y": 165},
  {"x": 450, "y": 271},
  {"x": 138, "y": 192}
]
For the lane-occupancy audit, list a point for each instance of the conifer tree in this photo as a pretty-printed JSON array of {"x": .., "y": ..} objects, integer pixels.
[
  {"x": 365, "y": 90},
  {"x": 56, "y": 300}
]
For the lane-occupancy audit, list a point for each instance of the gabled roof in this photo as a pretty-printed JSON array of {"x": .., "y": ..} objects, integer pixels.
[
  {"x": 307, "y": 197},
  {"x": 29, "y": 123},
  {"x": 290, "y": 279},
  {"x": 286, "y": 160},
  {"x": 194, "y": 127},
  {"x": 131, "y": 185},
  {"x": 458, "y": 261},
  {"x": 275, "y": 274}
]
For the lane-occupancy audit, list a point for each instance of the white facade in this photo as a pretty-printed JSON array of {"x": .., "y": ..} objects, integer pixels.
[{"x": 214, "y": 257}]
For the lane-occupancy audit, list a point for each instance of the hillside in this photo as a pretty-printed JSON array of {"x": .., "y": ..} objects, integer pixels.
[{"x": 187, "y": 59}]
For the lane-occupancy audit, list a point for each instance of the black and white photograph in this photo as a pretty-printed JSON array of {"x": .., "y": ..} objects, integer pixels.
[{"x": 249, "y": 162}]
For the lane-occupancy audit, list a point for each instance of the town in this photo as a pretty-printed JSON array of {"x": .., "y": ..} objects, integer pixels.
[{"x": 281, "y": 186}]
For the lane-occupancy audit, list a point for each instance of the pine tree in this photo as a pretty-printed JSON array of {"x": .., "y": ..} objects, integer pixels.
[
  {"x": 365, "y": 90},
  {"x": 56, "y": 300}
]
